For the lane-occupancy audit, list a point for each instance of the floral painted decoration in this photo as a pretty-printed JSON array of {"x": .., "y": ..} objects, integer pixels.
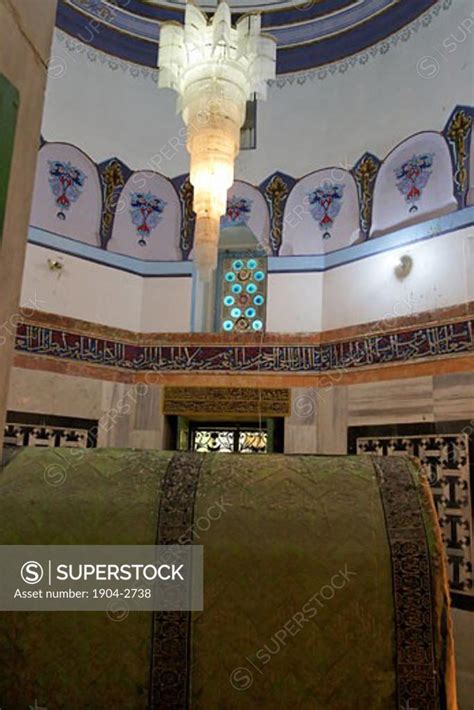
[
  {"x": 238, "y": 212},
  {"x": 146, "y": 212},
  {"x": 413, "y": 176},
  {"x": 326, "y": 204},
  {"x": 66, "y": 182}
]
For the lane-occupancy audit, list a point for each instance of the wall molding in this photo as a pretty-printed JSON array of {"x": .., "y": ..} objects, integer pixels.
[{"x": 276, "y": 264}]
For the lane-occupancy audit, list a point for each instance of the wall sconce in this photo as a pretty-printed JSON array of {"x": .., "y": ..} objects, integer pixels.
[
  {"x": 403, "y": 267},
  {"x": 55, "y": 265}
]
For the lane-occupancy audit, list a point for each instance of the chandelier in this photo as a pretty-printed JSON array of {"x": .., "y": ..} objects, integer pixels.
[{"x": 215, "y": 68}]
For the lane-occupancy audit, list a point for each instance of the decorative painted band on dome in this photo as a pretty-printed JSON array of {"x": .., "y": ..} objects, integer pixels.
[{"x": 309, "y": 35}]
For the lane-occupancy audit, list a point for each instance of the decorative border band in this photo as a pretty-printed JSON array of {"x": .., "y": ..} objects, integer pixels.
[
  {"x": 171, "y": 630},
  {"x": 241, "y": 401},
  {"x": 422, "y": 342},
  {"x": 91, "y": 26},
  {"x": 417, "y": 685}
]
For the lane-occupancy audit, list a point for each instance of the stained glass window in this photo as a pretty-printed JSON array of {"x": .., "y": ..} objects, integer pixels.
[{"x": 243, "y": 293}]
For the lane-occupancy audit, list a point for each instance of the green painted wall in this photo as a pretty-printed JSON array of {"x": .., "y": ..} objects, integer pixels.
[{"x": 9, "y": 103}]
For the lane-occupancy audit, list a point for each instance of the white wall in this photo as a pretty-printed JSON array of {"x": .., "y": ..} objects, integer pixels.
[
  {"x": 166, "y": 305},
  {"x": 412, "y": 87},
  {"x": 100, "y": 294},
  {"x": 294, "y": 302},
  {"x": 368, "y": 290},
  {"x": 361, "y": 292},
  {"x": 82, "y": 289}
]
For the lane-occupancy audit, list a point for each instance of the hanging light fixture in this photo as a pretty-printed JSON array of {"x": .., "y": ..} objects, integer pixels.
[{"x": 215, "y": 68}]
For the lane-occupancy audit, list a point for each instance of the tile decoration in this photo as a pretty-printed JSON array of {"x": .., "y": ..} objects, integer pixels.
[{"x": 243, "y": 293}]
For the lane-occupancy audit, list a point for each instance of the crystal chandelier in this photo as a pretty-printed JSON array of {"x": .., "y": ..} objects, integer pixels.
[{"x": 215, "y": 68}]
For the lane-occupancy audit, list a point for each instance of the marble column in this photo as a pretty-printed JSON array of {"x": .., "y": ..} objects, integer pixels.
[
  {"x": 300, "y": 429},
  {"x": 203, "y": 304}
]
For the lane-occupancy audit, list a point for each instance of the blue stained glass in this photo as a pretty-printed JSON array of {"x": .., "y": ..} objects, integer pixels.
[
  {"x": 251, "y": 288},
  {"x": 259, "y": 276},
  {"x": 250, "y": 312},
  {"x": 237, "y": 265},
  {"x": 229, "y": 300},
  {"x": 258, "y": 300},
  {"x": 236, "y": 288},
  {"x": 236, "y": 313},
  {"x": 227, "y": 325},
  {"x": 230, "y": 276},
  {"x": 251, "y": 264},
  {"x": 257, "y": 325}
]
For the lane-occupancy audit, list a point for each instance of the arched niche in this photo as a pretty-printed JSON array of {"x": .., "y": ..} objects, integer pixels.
[
  {"x": 147, "y": 219},
  {"x": 414, "y": 184},
  {"x": 67, "y": 198},
  {"x": 246, "y": 224},
  {"x": 321, "y": 214},
  {"x": 246, "y": 207}
]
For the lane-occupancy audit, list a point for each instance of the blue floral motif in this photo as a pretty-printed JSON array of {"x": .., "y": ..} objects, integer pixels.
[
  {"x": 413, "y": 176},
  {"x": 146, "y": 212},
  {"x": 66, "y": 182},
  {"x": 326, "y": 204},
  {"x": 238, "y": 212}
]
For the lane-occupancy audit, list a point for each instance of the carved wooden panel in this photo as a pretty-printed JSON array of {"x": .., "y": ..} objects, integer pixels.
[
  {"x": 445, "y": 459},
  {"x": 230, "y": 401}
]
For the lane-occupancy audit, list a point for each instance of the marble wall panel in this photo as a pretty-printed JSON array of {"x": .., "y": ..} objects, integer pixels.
[{"x": 391, "y": 402}]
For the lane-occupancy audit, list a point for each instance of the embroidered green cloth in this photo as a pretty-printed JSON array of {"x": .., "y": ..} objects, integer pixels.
[{"x": 324, "y": 583}]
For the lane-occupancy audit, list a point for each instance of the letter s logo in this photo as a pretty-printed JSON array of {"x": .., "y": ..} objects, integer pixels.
[{"x": 32, "y": 572}]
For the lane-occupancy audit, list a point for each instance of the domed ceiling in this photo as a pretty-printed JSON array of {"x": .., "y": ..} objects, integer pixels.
[{"x": 309, "y": 33}]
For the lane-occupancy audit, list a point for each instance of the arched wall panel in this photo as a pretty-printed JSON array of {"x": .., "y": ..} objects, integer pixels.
[
  {"x": 414, "y": 184},
  {"x": 246, "y": 206},
  {"x": 146, "y": 216},
  {"x": 67, "y": 196},
  {"x": 147, "y": 219},
  {"x": 321, "y": 214}
]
